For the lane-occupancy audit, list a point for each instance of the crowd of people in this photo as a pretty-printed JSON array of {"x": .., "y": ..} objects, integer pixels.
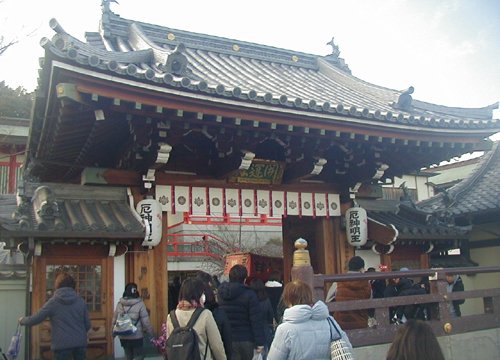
[
  {"x": 380, "y": 288},
  {"x": 264, "y": 320}
]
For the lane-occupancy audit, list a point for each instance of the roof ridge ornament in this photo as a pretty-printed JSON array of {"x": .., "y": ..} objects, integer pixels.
[
  {"x": 404, "y": 100},
  {"x": 105, "y": 5},
  {"x": 335, "y": 49},
  {"x": 334, "y": 59},
  {"x": 176, "y": 61}
]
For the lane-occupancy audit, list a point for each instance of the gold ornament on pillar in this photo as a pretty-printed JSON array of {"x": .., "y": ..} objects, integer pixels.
[{"x": 301, "y": 256}]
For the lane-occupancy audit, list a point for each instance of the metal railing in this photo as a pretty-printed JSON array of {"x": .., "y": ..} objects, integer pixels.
[
  {"x": 198, "y": 245},
  {"x": 231, "y": 219},
  {"x": 438, "y": 302}
]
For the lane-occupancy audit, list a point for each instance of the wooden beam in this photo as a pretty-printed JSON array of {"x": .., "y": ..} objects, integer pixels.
[{"x": 304, "y": 170}]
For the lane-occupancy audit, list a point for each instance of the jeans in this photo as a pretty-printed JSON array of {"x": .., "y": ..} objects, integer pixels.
[{"x": 79, "y": 353}]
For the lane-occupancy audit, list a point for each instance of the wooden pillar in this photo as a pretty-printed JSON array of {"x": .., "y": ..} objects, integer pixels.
[{"x": 148, "y": 269}]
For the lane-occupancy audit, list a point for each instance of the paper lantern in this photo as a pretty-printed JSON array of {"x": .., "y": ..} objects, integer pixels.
[
  {"x": 356, "y": 226},
  {"x": 149, "y": 210}
]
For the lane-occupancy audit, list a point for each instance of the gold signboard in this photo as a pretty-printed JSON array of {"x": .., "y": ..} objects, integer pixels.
[{"x": 261, "y": 172}]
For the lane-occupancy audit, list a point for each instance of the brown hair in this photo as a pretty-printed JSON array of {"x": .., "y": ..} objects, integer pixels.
[
  {"x": 297, "y": 292},
  {"x": 65, "y": 280},
  {"x": 415, "y": 340}
]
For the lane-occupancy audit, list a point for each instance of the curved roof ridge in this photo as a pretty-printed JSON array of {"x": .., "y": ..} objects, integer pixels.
[
  {"x": 483, "y": 166},
  {"x": 211, "y": 42},
  {"x": 326, "y": 68},
  {"x": 489, "y": 163},
  {"x": 484, "y": 113}
]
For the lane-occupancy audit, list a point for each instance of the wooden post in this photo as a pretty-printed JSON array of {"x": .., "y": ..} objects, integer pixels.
[{"x": 302, "y": 269}]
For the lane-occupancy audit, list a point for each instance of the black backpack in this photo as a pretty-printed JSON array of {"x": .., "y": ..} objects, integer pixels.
[{"x": 182, "y": 344}]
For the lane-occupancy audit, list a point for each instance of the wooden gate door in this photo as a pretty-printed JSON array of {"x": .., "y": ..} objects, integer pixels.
[{"x": 94, "y": 283}]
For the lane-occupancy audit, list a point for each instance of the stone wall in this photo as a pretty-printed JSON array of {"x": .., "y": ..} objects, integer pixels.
[{"x": 482, "y": 344}]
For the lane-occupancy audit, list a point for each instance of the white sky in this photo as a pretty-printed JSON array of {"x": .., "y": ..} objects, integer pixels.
[{"x": 448, "y": 50}]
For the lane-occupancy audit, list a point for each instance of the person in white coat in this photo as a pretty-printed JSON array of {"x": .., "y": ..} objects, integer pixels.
[{"x": 305, "y": 332}]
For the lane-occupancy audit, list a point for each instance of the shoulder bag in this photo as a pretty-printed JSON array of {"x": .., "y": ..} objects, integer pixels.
[{"x": 338, "y": 347}]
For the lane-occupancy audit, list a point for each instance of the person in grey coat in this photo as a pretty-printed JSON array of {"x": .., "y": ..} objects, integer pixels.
[
  {"x": 69, "y": 320},
  {"x": 132, "y": 304},
  {"x": 305, "y": 332}
]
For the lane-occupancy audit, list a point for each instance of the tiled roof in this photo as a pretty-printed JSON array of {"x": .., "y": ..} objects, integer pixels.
[
  {"x": 477, "y": 194},
  {"x": 14, "y": 130},
  {"x": 73, "y": 211},
  {"x": 410, "y": 223},
  {"x": 225, "y": 68},
  {"x": 451, "y": 261}
]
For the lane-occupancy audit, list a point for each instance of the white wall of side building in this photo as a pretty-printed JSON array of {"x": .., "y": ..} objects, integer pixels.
[
  {"x": 415, "y": 182},
  {"x": 489, "y": 256}
]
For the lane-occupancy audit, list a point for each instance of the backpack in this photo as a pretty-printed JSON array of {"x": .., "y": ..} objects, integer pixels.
[
  {"x": 124, "y": 324},
  {"x": 182, "y": 344}
]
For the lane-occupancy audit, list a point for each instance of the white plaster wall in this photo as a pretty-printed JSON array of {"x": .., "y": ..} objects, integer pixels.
[
  {"x": 409, "y": 179},
  {"x": 423, "y": 190},
  {"x": 371, "y": 259},
  {"x": 485, "y": 257},
  {"x": 119, "y": 287},
  {"x": 13, "y": 300}
]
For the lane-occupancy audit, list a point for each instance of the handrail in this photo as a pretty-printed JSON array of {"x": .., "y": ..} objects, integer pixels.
[
  {"x": 440, "y": 273},
  {"x": 230, "y": 219},
  {"x": 207, "y": 242},
  {"x": 438, "y": 303}
]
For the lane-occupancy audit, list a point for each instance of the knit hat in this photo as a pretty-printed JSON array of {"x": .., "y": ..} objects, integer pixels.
[
  {"x": 404, "y": 269},
  {"x": 356, "y": 263},
  {"x": 131, "y": 291}
]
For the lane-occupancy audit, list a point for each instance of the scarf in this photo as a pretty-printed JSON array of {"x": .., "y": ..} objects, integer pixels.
[{"x": 186, "y": 305}]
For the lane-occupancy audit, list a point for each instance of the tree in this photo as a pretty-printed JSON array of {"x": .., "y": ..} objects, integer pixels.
[
  {"x": 15, "y": 103},
  {"x": 5, "y": 43}
]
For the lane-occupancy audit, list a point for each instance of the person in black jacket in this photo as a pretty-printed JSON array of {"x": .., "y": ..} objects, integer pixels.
[
  {"x": 274, "y": 289},
  {"x": 243, "y": 309},
  {"x": 405, "y": 287},
  {"x": 173, "y": 293},
  {"x": 267, "y": 319},
  {"x": 219, "y": 314},
  {"x": 454, "y": 284}
]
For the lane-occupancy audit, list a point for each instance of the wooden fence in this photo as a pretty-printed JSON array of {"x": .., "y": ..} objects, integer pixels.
[{"x": 438, "y": 302}]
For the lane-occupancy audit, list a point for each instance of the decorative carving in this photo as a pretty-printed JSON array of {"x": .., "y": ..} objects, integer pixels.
[
  {"x": 335, "y": 49},
  {"x": 105, "y": 5},
  {"x": 406, "y": 193},
  {"x": 404, "y": 100},
  {"x": 177, "y": 62}
]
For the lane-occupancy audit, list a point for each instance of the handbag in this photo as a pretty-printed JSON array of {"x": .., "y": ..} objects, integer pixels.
[
  {"x": 15, "y": 344},
  {"x": 124, "y": 324},
  {"x": 257, "y": 355},
  {"x": 338, "y": 347}
]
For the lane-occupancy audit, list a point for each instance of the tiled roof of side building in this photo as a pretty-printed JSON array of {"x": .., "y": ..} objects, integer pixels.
[
  {"x": 409, "y": 223},
  {"x": 69, "y": 210},
  {"x": 242, "y": 71},
  {"x": 478, "y": 193}
]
